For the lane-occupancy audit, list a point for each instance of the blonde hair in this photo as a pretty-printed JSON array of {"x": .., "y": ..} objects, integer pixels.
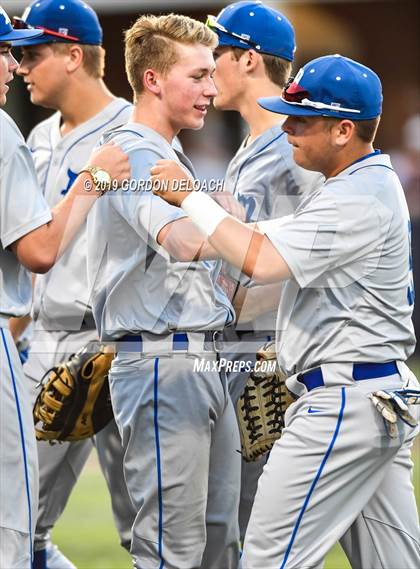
[
  {"x": 151, "y": 44},
  {"x": 93, "y": 57}
]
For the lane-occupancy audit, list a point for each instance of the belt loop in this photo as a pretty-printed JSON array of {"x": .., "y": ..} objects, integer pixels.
[{"x": 195, "y": 342}]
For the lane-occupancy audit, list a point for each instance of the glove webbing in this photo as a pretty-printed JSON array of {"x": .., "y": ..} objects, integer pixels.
[{"x": 273, "y": 405}]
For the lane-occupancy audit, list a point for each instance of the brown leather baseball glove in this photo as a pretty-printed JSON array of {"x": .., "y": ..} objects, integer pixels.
[{"x": 74, "y": 402}]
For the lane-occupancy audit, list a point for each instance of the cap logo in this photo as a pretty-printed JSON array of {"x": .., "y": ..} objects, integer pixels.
[
  {"x": 64, "y": 31},
  {"x": 5, "y": 16}
]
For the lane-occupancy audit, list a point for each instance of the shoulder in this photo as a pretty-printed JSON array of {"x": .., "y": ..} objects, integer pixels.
[
  {"x": 116, "y": 114},
  {"x": 133, "y": 142},
  {"x": 41, "y": 132}
]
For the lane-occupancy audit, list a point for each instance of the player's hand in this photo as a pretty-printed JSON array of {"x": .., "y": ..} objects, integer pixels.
[
  {"x": 170, "y": 182},
  {"x": 111, "y": 158},
  {"x": 230, "y": 204}
]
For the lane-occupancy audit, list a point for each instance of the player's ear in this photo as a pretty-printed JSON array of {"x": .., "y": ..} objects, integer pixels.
[
  {"x": 75, "y": 57},
  {"x": 250, "y": 60},
  {"x": 151, "y": 81},
  {"x": 342, "y": 131}
]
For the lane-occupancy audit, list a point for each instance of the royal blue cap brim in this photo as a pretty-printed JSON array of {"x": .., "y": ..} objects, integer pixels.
[
  {"x": 20, "y": 35},
  {"x": 46, "y": 38},
  {"x": 277, "y": 105}
]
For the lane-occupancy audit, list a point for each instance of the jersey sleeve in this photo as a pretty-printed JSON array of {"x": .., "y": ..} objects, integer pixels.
[
  {"x": 146, "y": 213},
  {"x": 337, "y": 229},
  {"x": 23, "y": 207}
]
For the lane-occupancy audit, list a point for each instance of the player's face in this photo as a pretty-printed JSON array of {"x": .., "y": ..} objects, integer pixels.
[
  {"x": 188, "y": 88},
  {"x": 8, "y": 65},
  {"x": 312, "y": 142},
  {"x": 227, "y": 80},
  {"x": 44, "y": 72}
]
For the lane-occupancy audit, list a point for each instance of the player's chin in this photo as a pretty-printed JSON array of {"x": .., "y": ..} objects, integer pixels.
[
  {"x": 304, "y": 161},
  {"x": 195, "y": 123},
  {"x": 37, "y": 99}
]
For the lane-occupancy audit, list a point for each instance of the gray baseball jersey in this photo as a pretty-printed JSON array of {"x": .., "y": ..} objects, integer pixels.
[
  {"x": 58, "y": 160},
  {"x": 22, "y": 209},
  {"x": 344, "y": 332},
  {"x": 348, "y": 248},
  {"x": 162, "y": 404},
  {"x": 64, "y": 322},
  {"x": 145, "y": 289}
]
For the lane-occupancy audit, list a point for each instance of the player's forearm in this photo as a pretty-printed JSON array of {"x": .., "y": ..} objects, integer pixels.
[
  {"x": 240, "y": 244},
  {"x": 70, "y": 214},
  {"x": 246, "y": 248},
  {"x": 39, "y": 249}
]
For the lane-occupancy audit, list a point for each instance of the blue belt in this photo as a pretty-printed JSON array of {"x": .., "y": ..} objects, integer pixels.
[
  {"x": 179, "y": 342},
  {"x": 314, "y": 378}
]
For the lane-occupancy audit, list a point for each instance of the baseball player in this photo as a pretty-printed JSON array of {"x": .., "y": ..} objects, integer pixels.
[
  {"x": 262, "y": 175},
  {"x": 153, "y": 294},
  {"x": 344, "y": 331},
  {"x": 31, "y": 238},
  {"x": 61, "y": 68}
]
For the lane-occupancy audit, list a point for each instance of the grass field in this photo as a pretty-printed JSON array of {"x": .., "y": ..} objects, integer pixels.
[{"x": 86, "y": 534}]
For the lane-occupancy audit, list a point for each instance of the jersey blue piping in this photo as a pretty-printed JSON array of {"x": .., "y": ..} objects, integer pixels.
[
  {"x": 370, "y": 165},
  {"x": 129, "y": 130},
  {"x": 102, "y": 126},
  {"x": 366, "y": 156},
  {"x": 253, "y": 156},
  {"x": 158, "y": 461},
  {"x": 317, "y": 477},
  {"x": 22, "y": 440}
]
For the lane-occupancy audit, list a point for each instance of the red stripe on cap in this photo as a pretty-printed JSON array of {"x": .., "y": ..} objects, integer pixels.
[{"x": 57, "y": 34}]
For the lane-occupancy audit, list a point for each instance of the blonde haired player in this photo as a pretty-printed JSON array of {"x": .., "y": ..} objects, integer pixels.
[{"x": 160, "y": 302}]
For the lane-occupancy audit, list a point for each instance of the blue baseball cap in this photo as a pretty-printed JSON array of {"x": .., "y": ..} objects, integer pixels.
[
  {"x": 8, "y": 34},
  {"x": 330, "y": 86},
  {"x": 66, "y": 21},
  {"x": 253, "y": 25}
]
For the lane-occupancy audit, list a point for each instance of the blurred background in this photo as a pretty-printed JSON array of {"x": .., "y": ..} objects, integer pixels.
[{"x": 383, "y": 34}]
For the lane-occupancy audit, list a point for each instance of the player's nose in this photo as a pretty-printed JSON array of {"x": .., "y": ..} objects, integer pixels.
[
  {"x": 13, "y": 64},
  {"x": 21, "y": 69},
  {"x": 211, "y": 90}
]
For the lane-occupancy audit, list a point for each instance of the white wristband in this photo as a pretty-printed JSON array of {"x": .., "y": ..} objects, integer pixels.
[{"x": 204, "y": 212}]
